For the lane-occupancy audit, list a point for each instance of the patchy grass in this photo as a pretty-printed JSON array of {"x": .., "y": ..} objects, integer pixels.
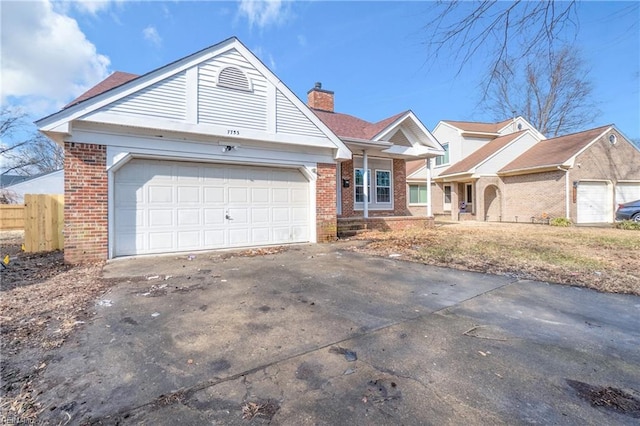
[{"x": 604, "y": 259}]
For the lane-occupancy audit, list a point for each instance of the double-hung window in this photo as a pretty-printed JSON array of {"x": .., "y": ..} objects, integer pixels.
[
  {"x": 383, "y": 186},
  {"x": 360, "y": 185}
]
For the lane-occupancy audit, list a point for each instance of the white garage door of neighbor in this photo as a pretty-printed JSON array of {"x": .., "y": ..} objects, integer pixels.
[
  {"x": 594, "y": 202},
  {"x": 627, "y": 191},
  {"x": 166, "y": 206}
]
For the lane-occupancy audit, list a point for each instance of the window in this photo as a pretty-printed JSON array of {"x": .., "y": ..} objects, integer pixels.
[
  {"x": 469, "y": 195},
  {"x": 447, "y": 197},
  {"x": 417, "y": 194},
  {"x": 443, "y": 159},
  {"x": 360, "y": 187},
  {"x": 383, "y": 186}
]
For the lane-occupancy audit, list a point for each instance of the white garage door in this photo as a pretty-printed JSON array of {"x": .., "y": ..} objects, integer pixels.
[
  {"x": 626, "y": 192},
  {"x": 594, "y": 202},
  {"x": 164, "y": 206}
]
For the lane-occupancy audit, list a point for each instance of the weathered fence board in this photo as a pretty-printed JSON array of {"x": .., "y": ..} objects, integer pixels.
[
  {"x": 43, "y": 222},
  {"x": 11, "y": 217}
]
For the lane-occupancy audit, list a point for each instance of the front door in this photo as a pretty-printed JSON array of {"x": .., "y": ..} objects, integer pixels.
[{"x": 468, "y": 197}]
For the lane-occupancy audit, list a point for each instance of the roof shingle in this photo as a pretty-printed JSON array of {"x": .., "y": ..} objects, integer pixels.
[
  {"x": 116, "y": 79},
  {"x": 348, "y": 126},
  {"x": 554, "y": 152}
]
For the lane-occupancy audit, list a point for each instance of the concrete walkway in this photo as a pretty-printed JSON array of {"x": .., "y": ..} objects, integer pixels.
[{"x": 193, "y": 342}]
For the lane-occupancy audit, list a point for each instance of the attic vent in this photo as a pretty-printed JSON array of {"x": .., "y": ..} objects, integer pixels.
[
  {"x": 519, "y": 126},
  {"x": 233, "y": 78},
  {"x": 612, "y": 139}
]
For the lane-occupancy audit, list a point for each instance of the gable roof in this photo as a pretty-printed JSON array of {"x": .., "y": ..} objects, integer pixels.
[
  {"x": 414, "y": 166},
  {"x": 348, "y": 126},
  {"x": 471, "y": 126},
  {"x": 116, "y": 88},
  {"x": 481, "y": 154},
  {"x": 116, "y": 79},
  {"x": 555, "y": 151}
]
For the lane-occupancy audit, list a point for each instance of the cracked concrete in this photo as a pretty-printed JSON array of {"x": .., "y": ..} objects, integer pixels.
[{"x": 434, "y": 346}]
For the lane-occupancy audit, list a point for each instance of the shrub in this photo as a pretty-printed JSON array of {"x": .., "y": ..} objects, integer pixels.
[
  {"x": 628, "y": 225},
  {"x": 560, "y": 221}
]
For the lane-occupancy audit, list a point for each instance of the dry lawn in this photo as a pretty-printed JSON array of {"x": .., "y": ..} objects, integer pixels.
[{"x": 604, "y": 259}]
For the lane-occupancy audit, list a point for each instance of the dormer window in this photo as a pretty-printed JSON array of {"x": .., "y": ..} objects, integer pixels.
[{"x": 233, "y": 78}]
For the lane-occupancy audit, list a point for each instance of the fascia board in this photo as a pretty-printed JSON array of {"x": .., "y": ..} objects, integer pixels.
[{"x": 411, "y": 116}]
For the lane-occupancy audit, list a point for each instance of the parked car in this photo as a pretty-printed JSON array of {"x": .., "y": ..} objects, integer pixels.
[{"x": 629, "y": 211}]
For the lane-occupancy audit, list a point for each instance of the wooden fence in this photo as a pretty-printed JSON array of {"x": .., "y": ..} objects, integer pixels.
[
  {"x": 11, "y": 217},
  {"x": 43, "y": 222}
]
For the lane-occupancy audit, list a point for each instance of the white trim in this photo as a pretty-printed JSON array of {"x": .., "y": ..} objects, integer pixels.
[
  {"x": 390, "y": 185},
  {"x": 192, "y": 95}
]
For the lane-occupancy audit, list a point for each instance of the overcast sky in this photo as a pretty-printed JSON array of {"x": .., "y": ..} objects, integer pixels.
[{"x": 372, "y": 54}]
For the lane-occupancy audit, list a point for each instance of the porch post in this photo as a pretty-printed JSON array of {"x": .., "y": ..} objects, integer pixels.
[
  {"x": 429, "y": 209},
  {"x": 365, "y": 181}
]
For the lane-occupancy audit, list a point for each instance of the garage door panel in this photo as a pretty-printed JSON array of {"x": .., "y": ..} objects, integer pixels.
[
  {"x": 594, "y": 202},
  {"x": 238, "y": 195},
  {"x": 160, "y": 194},
  {"x": 189, "y": 194},
  {"x": 259, "y": 215},
  {"x": 214, "y": 216},
  {"x": 260, "y": 195},
  {"x": 159, "y": 241},
  {"x": 626, "y": 192},
  {"x": 214, "y": 195},
  {"x": 280, "y": 195},
  {"x": 188, "y": 217},
  {"x": 164, "y": 206}
]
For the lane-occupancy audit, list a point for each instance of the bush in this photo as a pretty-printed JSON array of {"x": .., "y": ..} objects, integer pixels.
[
  {"x": 628, "y": 225},
  {"x": 560, "y": 221}
]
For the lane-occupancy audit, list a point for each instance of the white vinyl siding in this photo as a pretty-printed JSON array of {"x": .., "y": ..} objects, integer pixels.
[
  {"x": 228, "y": 107},
  {"x": 289, "y": 119},
  {"x": 164, "y": 99},
  {"x": 168, "y": 206}
]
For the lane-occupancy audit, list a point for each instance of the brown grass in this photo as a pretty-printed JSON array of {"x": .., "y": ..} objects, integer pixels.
[{"x": 604, "y": 259}]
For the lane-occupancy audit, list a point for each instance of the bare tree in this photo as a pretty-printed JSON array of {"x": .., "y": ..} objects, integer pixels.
[
  {"x": 23, "y": 150},
  {"x": 513, "y": 29},
  {"x": 553, "y": 93}
]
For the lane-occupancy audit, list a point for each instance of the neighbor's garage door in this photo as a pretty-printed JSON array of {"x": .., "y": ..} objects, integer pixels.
[
  {"x": 163, "y": 206},
  {"x": 627, "y": 191},
  {"x": 594, "y": 202}
]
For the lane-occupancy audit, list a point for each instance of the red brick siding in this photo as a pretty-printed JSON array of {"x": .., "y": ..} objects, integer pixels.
[
  {"x": 326, "y": 220},
  {"x": 85, "y": 207},
  {"x": 399, "y": 192},
  {"x": 399, "y": 223}
]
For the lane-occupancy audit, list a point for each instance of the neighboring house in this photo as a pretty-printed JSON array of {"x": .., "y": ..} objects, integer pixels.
[
  {"x": 46, "y": 183},
  {"x": 8, "y": 180},
  {"x": 214, "y": 151},
  {"x": 461, "y": 141},
  {"x": 581, "y": 176}
]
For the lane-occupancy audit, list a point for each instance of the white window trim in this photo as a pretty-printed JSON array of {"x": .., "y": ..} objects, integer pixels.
[
  {"x": 355, "y": 185},
  {"x": 447, "y": 147},
  {"x": 418, "y": 185},
  {"x": 390, "y": 186}
]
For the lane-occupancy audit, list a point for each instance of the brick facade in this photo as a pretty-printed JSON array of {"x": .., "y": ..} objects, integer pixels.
[
  {"x": 399, "y": 192},
  {"x": 321, "y": 99},
  {"x": 85, "y": 207},
  {"x": 326, "y": 220},
  {"x": 533, "y": 195}
]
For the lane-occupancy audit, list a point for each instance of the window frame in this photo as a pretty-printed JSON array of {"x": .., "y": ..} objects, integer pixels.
[
  {"x": 355, "y": 185},
  {"x": 389, "y": 178},
  {"x": 426, "y": 194},
  {"x": 444, "y": 158}
]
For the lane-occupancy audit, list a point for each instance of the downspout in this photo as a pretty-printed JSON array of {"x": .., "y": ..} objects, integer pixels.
[
  {"x": 365, "y": 182},
  {"x": 567, "y": 204},
  {"x": 429, "y": 209}
]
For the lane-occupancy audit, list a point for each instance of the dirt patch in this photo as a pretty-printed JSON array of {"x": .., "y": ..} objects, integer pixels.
[
  {"x": 610, "y": 398},
  {"x": 42, "y": 301},
  {"x": 604, "y": 259}
]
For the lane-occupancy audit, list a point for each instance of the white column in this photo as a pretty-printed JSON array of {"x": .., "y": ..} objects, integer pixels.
[
  {"x": 365, "y": 180},
  {"x": 429, "y": 209}
]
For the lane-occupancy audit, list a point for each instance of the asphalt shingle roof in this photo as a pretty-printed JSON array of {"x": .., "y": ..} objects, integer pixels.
[
  {"x": 556, "y": 151},
  {"x": 118, "y": 78},
  {"x": 348, "y": 126}
]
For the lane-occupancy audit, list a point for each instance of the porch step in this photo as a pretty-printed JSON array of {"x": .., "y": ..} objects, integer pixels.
[{"x": 351, "y": 227}]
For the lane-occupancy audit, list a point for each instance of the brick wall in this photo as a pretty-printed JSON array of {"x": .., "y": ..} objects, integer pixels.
[
  {"x": 326, "y": 221},
  {"x": 534, "y": 194},
  {"x": 399, "y": 192},
  {"x": 320, "y": 99},
  {"x": 85, "y": 207},
  {"x": 488, "y": 199}
]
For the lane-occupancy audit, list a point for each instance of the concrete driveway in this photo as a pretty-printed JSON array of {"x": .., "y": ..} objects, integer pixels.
[{"x": 194, "y": 342}]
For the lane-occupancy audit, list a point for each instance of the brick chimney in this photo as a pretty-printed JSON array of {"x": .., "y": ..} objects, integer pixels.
[{"x": 321, "y": 99}]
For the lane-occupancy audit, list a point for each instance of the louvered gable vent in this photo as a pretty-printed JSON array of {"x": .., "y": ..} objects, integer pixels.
[{"x": 233, "y": 78}]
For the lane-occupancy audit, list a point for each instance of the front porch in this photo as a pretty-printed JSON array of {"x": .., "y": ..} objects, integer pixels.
[{"x": 350, "y": 226}]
